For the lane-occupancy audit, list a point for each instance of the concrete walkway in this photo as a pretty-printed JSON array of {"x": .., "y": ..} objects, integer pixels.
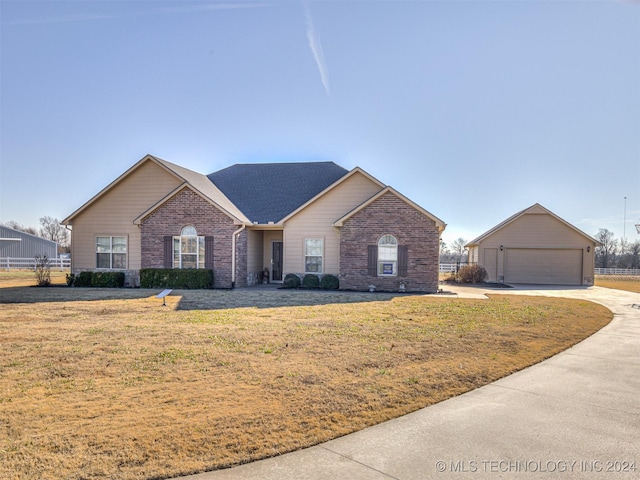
[{"x": 575, "y": 415}]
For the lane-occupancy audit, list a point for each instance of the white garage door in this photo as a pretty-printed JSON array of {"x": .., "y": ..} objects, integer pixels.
[{"x": 543, "y": 266}]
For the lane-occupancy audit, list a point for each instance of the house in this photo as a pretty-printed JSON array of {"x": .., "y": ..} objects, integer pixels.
[
  {"x": 298, "y": 218},
  {"x": 535, "y": 246},
  {"x": 17, "y": 244}
]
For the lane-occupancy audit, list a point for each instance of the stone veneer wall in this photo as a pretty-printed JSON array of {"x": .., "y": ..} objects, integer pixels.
[
  {"x": 189, "y": 208},
  {"x": 390, "y": 215},
  {"x": 241, "y": 259}
]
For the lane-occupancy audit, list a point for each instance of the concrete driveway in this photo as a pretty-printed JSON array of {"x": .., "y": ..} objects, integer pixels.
[{"x": 575, "y": 415}]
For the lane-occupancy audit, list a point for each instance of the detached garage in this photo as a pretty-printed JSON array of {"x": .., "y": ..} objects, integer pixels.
[{"x": 535, "y": 246}]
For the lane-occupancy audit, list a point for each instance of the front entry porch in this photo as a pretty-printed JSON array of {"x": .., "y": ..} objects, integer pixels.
[{"x": 265, "y": 262}]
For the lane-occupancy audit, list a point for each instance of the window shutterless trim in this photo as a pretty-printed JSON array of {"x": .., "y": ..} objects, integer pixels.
[
  {"x": 306, "y": 255},
  {"x": 110, "y": 252}
]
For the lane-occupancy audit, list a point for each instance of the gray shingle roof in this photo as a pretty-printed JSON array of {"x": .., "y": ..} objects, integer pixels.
[{"x": 268, "y": 192}]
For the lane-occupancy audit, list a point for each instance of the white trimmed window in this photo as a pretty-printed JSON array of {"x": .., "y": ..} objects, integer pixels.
[
  {"x": 313, "y": 253},
  {"x": 188, "y": 249},
  {"x": 387, "y": 256},
  {"x": 111, "y": 252}
]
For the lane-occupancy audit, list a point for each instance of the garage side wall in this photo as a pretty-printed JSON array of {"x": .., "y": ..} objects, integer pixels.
[{"x": 537, "y": 248}]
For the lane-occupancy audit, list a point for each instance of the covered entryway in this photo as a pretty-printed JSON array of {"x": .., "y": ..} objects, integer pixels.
[
  {"x": 265, "y": 259},
  {"x": 544, "y": 266}
]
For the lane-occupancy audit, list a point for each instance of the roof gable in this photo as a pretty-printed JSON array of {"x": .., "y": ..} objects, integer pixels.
[
  {"x": 147, "y": 158},
  {"x": 533, "y": 209},
  {"x": 341, "y": 180},
  {"x": 199, "y": 183},
  {"x": 269, "y": 192},
  {"x": 140, "y": 218},
  {"x": 439, "y": 223}
]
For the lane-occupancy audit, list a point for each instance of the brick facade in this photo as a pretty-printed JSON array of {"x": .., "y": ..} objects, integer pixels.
[
  {"x": 189, "y": 208},
  {"x": 390, "y": 215}
]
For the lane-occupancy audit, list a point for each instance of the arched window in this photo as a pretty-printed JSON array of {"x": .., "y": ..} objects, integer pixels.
[
  {"x": 188, "y": 249},
  {"x": 387, "y": 256}
]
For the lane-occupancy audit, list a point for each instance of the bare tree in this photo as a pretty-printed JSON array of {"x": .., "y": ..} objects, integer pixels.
[
  {"x": 607, "y": 249},
  {"x": 458, "y": 248},
  {"x": 53, "y": 230},
  {"x": 43, "y": 270},
  {"x": 634, "y": 253},
  {"x": 21, "y": 228}
]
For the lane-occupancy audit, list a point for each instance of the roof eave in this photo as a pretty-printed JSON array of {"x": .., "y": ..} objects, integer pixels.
[
  {"x": 138, "y": 220},
  {"x": 439, "y": 223},
  {"x": 476, "y": 241},
  {"x": 342, "y": 179},
  {"x": 96, "y": 197}
]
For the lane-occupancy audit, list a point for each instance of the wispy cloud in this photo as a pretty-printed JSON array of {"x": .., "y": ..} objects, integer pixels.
[
  {"x": 71, "y": 18},
  {"x": 316, "y": 49},
  {"x": 213, "y": 6},
  {"x": 90, "y": 17}
]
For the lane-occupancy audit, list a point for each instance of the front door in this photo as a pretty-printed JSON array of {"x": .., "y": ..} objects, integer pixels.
[{"x": 276, "y": 261}]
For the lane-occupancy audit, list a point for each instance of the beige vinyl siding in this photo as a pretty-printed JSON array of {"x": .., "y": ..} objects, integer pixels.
[
  {"x": 538, "y": 236},
  {"x": 316, "y": 220},
  {"x": 537, "y": 230},
  {"x": 113, "y": 214},
  {"x": 254, "y": 251},
  {"x": 491, "y": 263}
]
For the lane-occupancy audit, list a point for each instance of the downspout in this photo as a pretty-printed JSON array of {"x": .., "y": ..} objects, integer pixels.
[
  {"x": 70, "y": 248},
  {"x": 233, "y": 254}
]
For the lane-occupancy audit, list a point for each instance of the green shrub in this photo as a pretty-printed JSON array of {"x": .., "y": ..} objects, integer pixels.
[
  {"x": 83, "y": 279},
  {"x": 96, "y": 279},
  {"x": 471, "y": 274},
  {"x": 176, "y": 278},
  {"x": 107, "y": 279},
  {"x": 291, "y": 280},
  {"x": 310, "y": 280},
  {"x": 329, "y": 282}
]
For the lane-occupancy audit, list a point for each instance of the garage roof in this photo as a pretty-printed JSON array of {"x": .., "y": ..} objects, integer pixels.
[{"x": 535, "y": 208}]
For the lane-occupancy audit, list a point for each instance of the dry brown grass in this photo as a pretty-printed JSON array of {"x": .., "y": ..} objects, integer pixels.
[
  {"x": 110, "y": 384},
  {"x": 619, "y": 282},
  {"x": 27, "y": 278}
]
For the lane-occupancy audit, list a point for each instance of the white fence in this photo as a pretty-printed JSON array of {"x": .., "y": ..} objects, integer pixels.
[
  {"x": 617, "y": 271},
  {"x": 13, "y": 263},
  {"x": 452, "y": 267}
]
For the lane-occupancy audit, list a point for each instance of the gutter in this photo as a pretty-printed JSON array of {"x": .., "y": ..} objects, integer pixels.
[{"x": 233, "y": 254}]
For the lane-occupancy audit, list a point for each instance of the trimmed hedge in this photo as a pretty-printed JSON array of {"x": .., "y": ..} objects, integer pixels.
[
  {"x": 310, "y": 280},
  {"x": 107, "y": 279},
  {"x": 176, "y": 278},
  {"x": 291, "y": 280},
  {"x": 96, "y": 279},
  {"x": 83, "y": 279},
  {"x": 329, "y": 282}
]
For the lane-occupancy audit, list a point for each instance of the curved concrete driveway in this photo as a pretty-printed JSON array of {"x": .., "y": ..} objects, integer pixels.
[{"x": 575, "y": 415}]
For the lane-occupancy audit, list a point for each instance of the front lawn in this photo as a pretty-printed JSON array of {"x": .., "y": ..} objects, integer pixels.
[
  {"x": 619, "y": 282},
  {"x": 109, "y": 384}
]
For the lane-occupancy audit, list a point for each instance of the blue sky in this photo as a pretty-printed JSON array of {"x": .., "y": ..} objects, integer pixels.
[{"x": 474, "y": 110}]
